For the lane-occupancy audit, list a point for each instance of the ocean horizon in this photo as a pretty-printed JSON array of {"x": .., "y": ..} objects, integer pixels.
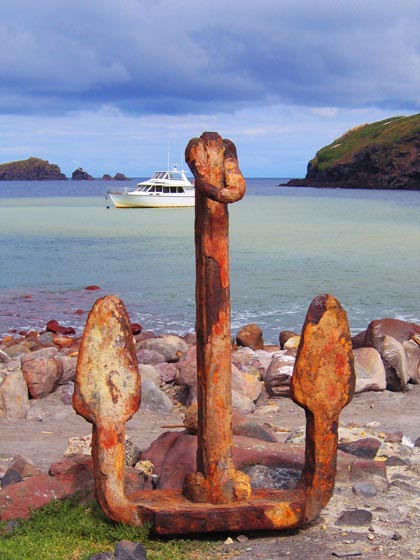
[{"x": 287, "y": 245}]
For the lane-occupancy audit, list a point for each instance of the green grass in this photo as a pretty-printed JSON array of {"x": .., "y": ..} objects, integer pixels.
[
  {"x": 384, "y": 132},
  {"x": 66, "y": 530}
]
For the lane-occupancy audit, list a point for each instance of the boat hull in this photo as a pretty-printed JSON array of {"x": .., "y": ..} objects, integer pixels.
[{"x": 148, "y": 200}]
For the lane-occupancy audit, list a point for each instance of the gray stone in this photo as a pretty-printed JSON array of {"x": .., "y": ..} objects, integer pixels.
[
  {"x": 152, "y": 398},
  {"x": 412, "y": 352},
  {"x": 146, "y": 356},
  {"x": 278, "y": 478},
  {"x": 246, "y": 384},
  {"x": 366, "y": 489},
  {"x": 127, "y": 550},
  {"x": 369, "y": 370},
  {"x": 68, "y": 364},
  {"x": 11, "y": 477},
  {"x": 279, "y": 373},
  {"x": 395, "y": 362},
  {"x": 14, "y": 401},
  {"x": 149, "y": 372},
  {"x": 355, "y": 517},
  {"x": 171, "y": 346},
  {"x": 242, "y": 403},
  {"x": 42, "y": 372}
]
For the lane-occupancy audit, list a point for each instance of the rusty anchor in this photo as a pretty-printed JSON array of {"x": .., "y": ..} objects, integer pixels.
[{"x": 217, "y": 497}]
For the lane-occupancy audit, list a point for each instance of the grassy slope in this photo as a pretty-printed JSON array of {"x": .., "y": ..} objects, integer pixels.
[{"x": 384, "y": 132}]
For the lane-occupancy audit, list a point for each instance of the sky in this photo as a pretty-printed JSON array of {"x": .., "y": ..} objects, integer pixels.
[{"x": 115, "y": 86}]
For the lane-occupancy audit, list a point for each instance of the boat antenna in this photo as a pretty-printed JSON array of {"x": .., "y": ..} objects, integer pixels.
[{"x": 169, "y": 158}]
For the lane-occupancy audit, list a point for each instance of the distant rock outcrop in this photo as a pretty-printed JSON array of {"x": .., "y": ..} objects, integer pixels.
[
  {"x": 80, "y": 174},
  {"x": 120, "y": 177},
  {"x": 31, "y": 169},
  {"x": 381, "y": 155},
  {"x": 117, "y": 177}
]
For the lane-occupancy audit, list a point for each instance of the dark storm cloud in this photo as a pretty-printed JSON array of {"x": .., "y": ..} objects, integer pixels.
[{"x": 180, "y": 56}]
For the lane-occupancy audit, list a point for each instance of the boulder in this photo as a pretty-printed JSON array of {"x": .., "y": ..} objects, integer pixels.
[
  {"x": 400, "y": 330},
  {"x": 247, "y": 361},
  {"x": 365, "y": 448},
  {"x": 279, "y": 373},
  {"x": 42, "y": 372},
  {"x": 145, "y": 356},
  {"x": 152, "y": 398},
  {"x": 55, "y": 327},
  {"x": 14, "y": 402},
  {"x": 284, "y": 337},
  {"x": 245, "y": 384},
  {"x": 369, "y": 370},
  {"x": 167, "y": 372},
  {"x": 412, "y": 352},
  {"x": 242, "y": 403},
  {"x": 171, "y": 346},
  {"x": 250, "y": 336},
  {"x": 148, "y": 371},
  {"x": 187, "y": 368},
  {"x": 68, "y": 365},
  {"x": 23, "y": 466},
  {"x": 17, "y": 500},
  {"x": 395, "y": 362}
]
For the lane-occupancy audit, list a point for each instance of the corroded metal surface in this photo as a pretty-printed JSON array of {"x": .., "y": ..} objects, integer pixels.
[
  {"x": 218, "y": 181},
  {"x": 217, "y": 497},
  {"x": 322, "y": 383},
  {"x": 107, "y": 393}
]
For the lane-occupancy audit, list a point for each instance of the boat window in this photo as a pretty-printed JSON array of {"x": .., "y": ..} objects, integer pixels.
[
  {"x": 165, "y": 189},
  {"x": 173, "y": 189},
  {"x": 175, "y": 176},
  {"x": 158, "y": 188}
]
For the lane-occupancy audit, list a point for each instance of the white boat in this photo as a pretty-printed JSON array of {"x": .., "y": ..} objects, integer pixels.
[{"x": 165, "y": 189}]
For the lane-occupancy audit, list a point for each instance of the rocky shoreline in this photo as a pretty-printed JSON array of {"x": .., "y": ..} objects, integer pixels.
[{"x": 45, "y": 445}]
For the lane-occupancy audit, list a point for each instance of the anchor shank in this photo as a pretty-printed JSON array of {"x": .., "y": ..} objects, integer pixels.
[{"x": 218, "y": 181}]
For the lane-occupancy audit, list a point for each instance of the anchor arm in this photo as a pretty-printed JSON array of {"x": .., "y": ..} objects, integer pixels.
[
  {"x": 322, "y": 383},
  {"x": 107, "y": 393}
]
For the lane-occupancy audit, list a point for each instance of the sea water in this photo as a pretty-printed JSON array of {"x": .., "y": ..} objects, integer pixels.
[{"x": 287, "y": 245}]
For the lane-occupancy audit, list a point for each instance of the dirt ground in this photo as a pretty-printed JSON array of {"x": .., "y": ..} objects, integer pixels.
[{"x": 395, "y": 528}]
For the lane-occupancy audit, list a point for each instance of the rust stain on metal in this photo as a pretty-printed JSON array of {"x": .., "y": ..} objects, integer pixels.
[
  {"x": 322, "y": 383},
  {"x": 218, "y": 181},
  {"x": 217, "y": 497}
]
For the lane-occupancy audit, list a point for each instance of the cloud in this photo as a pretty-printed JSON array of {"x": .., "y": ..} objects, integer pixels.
[
  {"x": 177, "y": 57},
  {"x": 108, "y": 85}
]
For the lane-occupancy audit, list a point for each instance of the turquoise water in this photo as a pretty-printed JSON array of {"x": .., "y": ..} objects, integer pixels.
[{"x": 287, "y": 246}]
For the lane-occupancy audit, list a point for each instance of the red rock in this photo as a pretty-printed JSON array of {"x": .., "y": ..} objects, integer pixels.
[
  {"x": 24, "y": 466},
  {"x": 135, "y": 328},
  {"x": 365, "y": 448},
  {"x": 42, "y": 375},
  {"x": 79, "y": 312},
  {"x": 284, "y": 337},
  {"x": 400, "y": 330},
  {"x": 92, "y": 288},
  {"x": 75, "y": 473},
  {"x": 55, "y": 327},
  {"x": 17, "y": 500},
  {"x": 251, "y": 336},
  {"x": 62, "y": 341}
]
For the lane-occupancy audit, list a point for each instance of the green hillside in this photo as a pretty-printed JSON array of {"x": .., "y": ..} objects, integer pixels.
[{"x": 386, "y": 132}]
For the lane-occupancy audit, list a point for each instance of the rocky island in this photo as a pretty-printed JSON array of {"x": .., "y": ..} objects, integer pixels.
[
  {"x": 380, "y": 155},
  {"x": 31, "y": 169}
]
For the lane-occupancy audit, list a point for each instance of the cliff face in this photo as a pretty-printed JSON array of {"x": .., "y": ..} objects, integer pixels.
[
  {"x": 32, "y": 169},
  {"x": 382, "y": 155}
]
